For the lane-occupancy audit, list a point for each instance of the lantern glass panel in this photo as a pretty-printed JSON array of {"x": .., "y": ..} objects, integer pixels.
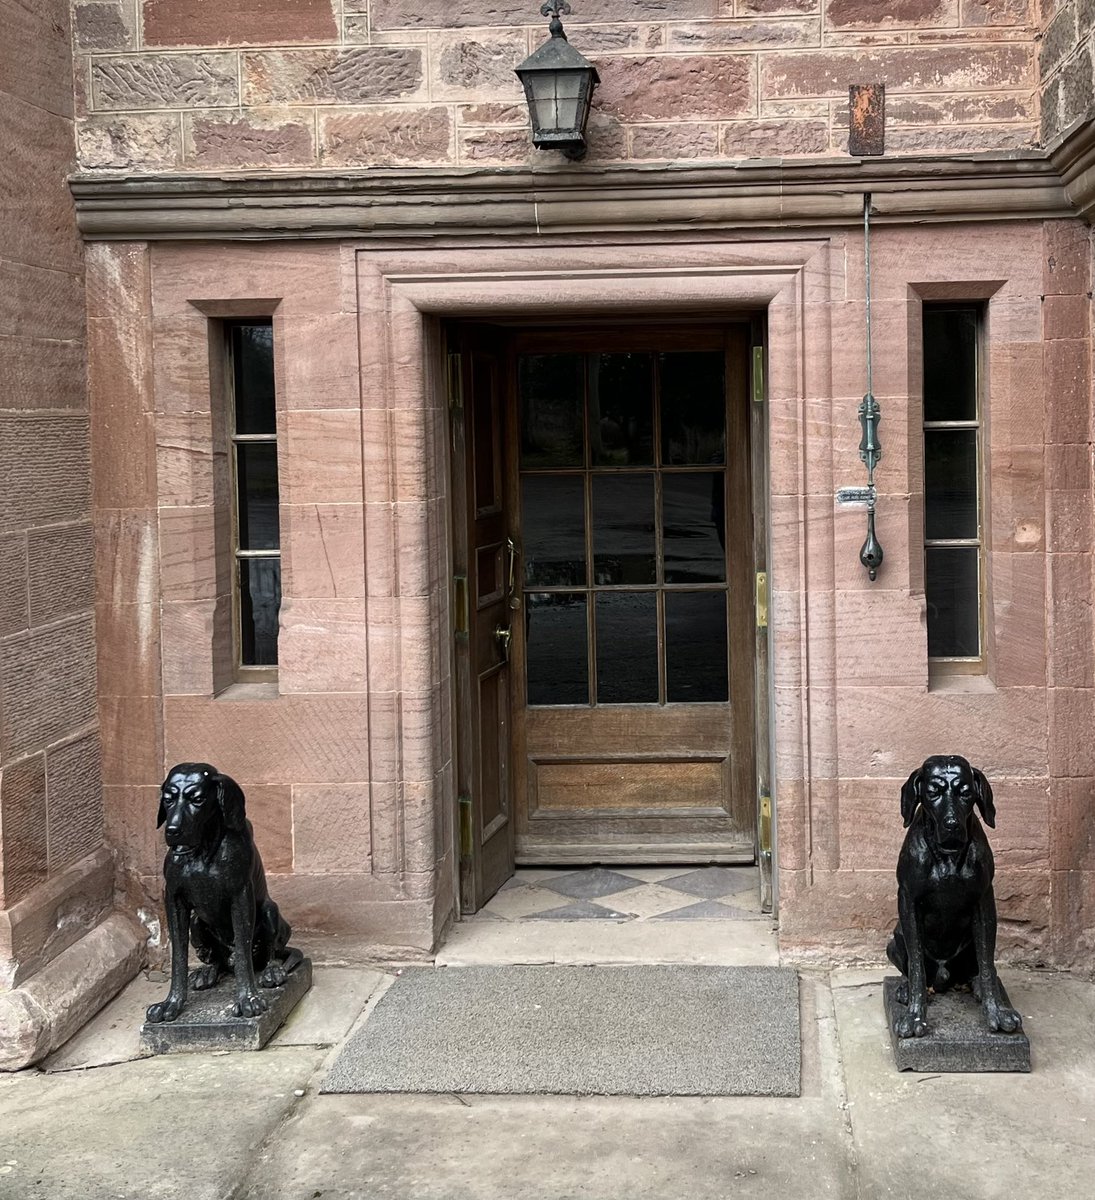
[{"x": 556, "y": 100}]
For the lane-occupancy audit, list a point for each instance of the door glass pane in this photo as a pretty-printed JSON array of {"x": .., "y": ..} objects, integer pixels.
[
  {"x": 553, "y": 525},
  {"x": 623, "y": 529},
  {"x": 551, "y": 410},
  {"x": 555, "y": 648},
  {"x": 621, "y": 410},
  {"x": 950, "y": 483},
  {"x": 486, "y": 432},
  {"x": 950, "y": 364},
  {"x": 953, "y": 602},
  {"x": 260, "y": 599},
  {"x": 257, "y": 480},
  {"x": 695, "y": 647},
  {"x": 694, "y": 527},
  {"x": 253, "y": 364},
  {"x": 627, "y": 648},
  {"x": 693, "y": 407}
]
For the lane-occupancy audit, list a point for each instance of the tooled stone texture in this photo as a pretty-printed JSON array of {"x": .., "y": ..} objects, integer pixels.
[
  {"x": 118, "y": 142},
  {"x": 355, "y": 76},
  {"x": 995, "y": 12},
  {"x": 214, "y": 140},
  {"x": 672, "y": 86},
  {"x": 102, "y": 26},
  {"x": 395, "y": 135},
  {"x": 873, "y": 13},
  {"x": 164, "y": 81},
  {"x": 412, "y": 14}
]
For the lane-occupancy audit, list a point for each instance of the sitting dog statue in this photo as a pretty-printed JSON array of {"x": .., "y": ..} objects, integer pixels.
[
  {"x": 946, "y": 929},
  {"x": 216, "y": 894}
]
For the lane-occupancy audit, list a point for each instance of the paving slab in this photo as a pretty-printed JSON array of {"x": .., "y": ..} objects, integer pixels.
[
  {"x": 157, "y": 1129},
  {"x": 980, "y": 1137},
  {"x": 713, "y": 943},
  {"x": 327, "y": 1013}
]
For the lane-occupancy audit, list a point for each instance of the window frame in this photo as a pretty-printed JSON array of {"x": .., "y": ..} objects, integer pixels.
[
  {"x": 942, "y": 666},
  {"x": 245, "y": 672}
]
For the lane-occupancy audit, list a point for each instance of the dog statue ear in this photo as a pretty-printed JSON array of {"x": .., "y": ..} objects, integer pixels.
[
  {"x": 161, "y": 816},
  {"x": 982, "y": 795},
  {"x": 230, "y": 798},
  {"x": 910, "y": 796}
]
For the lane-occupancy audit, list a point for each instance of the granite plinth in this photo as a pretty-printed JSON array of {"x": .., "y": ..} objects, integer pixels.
[
  {"x": 958, "y": 1039},
  {"x": 207, "y": 1022}
]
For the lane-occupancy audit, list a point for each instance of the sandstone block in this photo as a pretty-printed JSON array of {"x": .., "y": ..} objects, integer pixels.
[
  {"x": 101, "y": 25},
  {"x": 331, "y": 827},
  {"x": 1058, "y": 41},
  {"x": 744, "y": 35},
  {"x": 74, "y": 808},
  {"x": 120, "y": 142},
  {"x": 1070, "y": 621},
  {"x": 617, "y": 39},
  {"x": 359, "y": 75},
  {"x": 132, "y": 741},
  {"x": 237, "y": 22},
  {"x": 903, "y": 13},
  {"x": 40, "y": 373},
  {"x": 1077, "y": 89},
  {"x": 923, "y": 69},
  {"x": 164, "y": 81},
  {"x": 38, "y": 303},
  {"x": 44, "y": 469},
  {"x": 387, "y": 136},
  {"x": 1067, "y": 266},
  {"x": 37, "y": 56},
  {"x": 254, "y": 139},
  {"x": 669, "y": 87},
  {"x": 769, "y": 8},
  {"x": 1066, "y": 316},
  {"x": 129, "y": 815},
  {"x": 477, "y": 68},
  {"x": 14, "y": 601},
  {"x": 501, "y": 146},
  {"x": 411, "y": 14},
  {"x": 978, "y": 13},
  {"x": 1072, "y": 824},
  {"x": 23, "y": 845},
  {"x": 774, "y": 139},
  {"x": 323, "y": 549},
  {"x": 1068, "y": 382},
  {"x": 61, "y": 564},
  {"x": 493, "y": 114},
  {"x": 322, "y": 646},
  {"x": 959, "y": 110},
  {"x": 1071, "y": 716},
  {"x": 684, "y": 140}
]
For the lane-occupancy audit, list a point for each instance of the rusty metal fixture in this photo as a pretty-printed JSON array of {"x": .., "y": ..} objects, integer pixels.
[
  {"x": 870, "y": 446},
  {"x": 866, "y": 119}
]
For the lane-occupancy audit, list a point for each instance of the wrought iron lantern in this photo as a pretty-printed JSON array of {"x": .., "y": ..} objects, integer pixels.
[{"x": 559, "y": 85}]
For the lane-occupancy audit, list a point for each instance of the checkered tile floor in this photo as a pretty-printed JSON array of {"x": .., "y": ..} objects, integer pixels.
[{"x": 629, "y": 894}]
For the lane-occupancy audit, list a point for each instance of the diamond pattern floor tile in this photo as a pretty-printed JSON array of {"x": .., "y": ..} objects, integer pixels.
[
  {"x": 713, "y": 882},
  {"x": 592, "y": 884},
  {"x": 708, "y": 910},
  {"x": 580, "y": 910}
]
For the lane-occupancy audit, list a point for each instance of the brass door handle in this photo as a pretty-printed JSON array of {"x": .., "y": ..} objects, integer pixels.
[
  {"x": 503, "y": 633},
  {"x": 511, "y": 566}
]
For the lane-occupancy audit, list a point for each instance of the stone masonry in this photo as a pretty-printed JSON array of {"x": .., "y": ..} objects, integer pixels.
[{"x": 166, "y": 85}]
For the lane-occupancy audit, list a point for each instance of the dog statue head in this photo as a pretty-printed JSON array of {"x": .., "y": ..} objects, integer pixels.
[
  {"x": 194, "y": 800},
  {"x": 948, "y": 789}
]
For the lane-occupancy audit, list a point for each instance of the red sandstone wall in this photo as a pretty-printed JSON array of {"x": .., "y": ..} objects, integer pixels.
[
  {"x": 1066, "y": 64},
  {"x": 166, "y": 85},
  {"x": 50, "y": 798}
]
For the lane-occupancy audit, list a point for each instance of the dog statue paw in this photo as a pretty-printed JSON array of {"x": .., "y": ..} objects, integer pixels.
[
  {"x": 215, "y": 894},
  {"x": 945, "y": 935}
]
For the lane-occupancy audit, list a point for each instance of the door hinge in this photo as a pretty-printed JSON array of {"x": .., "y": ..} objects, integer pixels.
[
  {"x": 762, "y": 599},
  {"x": 454, "y": 384},
  {"x": 460, "y": 616},
  {"x": 463, "y": 804},
  {"x": 764, "y": 831},
  {"x": 758, "y": 374}
]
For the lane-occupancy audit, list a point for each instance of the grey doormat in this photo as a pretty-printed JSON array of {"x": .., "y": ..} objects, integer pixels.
[{"x": 601, "y": 1031}]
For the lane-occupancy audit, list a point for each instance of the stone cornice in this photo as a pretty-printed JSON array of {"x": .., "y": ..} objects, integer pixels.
[
  {"x": 1073, "y": 155},
  {"x": 417, "y": 203}
]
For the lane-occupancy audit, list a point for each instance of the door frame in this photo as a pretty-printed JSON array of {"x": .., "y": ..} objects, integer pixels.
[{"x": 750, "y": 422}]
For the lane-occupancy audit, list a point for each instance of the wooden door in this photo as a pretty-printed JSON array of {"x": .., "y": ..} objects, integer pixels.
[
  {"x": 633, "y": 655},
  {"x": 484, "y": 578}
]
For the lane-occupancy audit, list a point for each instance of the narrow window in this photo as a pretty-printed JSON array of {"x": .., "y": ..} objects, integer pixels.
[
  {"x": 953, "y": 534},
  {"x": 256, "y": 533}
]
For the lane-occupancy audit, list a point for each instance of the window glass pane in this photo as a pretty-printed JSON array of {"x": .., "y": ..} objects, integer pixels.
[
  {"x": 553, "y": 525},
  {"x": 953, "y": 602},
  {"x": 695, "y": 647},
  {"x": 693, "y": 527},
  {"x": 551, "y": 410},
  {"x": 555, "y": 648},
  {"x": 257, "y": 481},
  {"x": 253, "y": 363},
  {"x": 627, "y": 648},
  {"x": 623, "y": 529},
  {"x": 260, "y": 599},
  {"x": 950, "y": 483},
  {"x": 950, "y": 364},
  {"x": 621, "y": 410},
  {"x": 693, "y": 407}
]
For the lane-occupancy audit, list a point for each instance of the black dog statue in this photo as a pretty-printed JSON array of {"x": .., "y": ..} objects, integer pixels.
[
  {"x": 216, "y": 894},
  {"x": 946, "y": 928}
]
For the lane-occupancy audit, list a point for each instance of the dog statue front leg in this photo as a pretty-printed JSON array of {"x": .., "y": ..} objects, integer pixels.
[
  {"x": 178, "y": 927},
  {"x": 912, "y": 1023},
  {"x": 249, "y": 1000},
  {"x": 999, "y": 1014}
]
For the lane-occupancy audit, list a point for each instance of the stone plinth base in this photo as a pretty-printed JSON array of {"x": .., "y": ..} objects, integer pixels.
[
  {"x": 958, "y": 1039},
  {"x": 207, "y": 1022}
]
